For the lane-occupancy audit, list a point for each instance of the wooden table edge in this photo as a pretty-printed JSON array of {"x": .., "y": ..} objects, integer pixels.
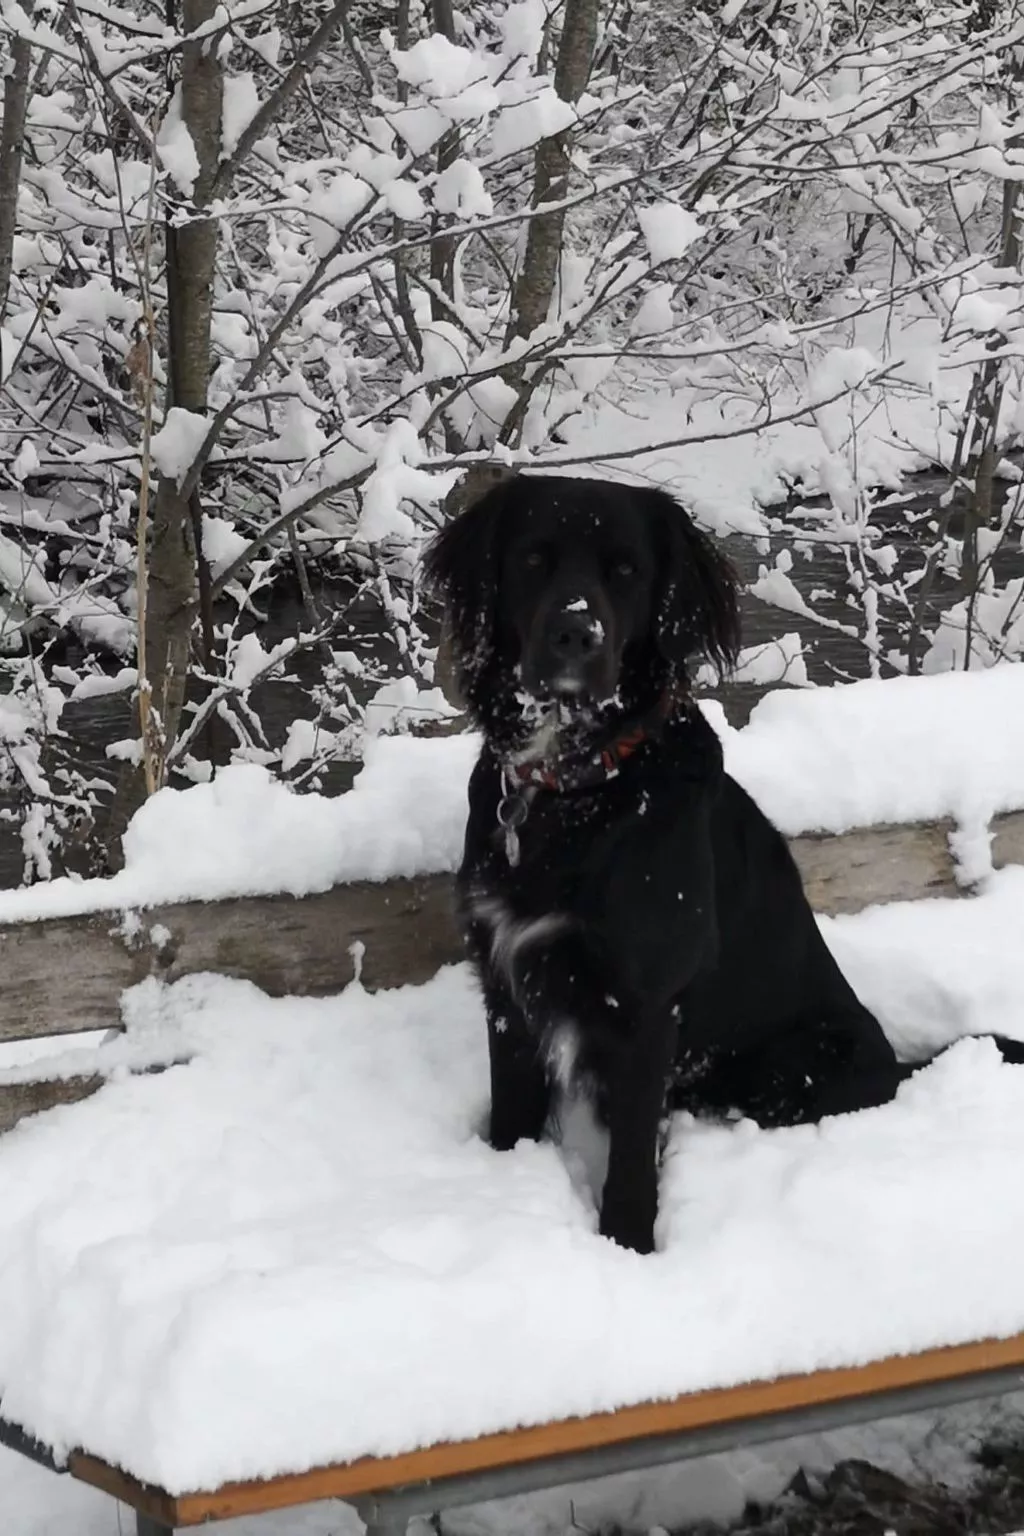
[{"x": 696, "y": 1410}]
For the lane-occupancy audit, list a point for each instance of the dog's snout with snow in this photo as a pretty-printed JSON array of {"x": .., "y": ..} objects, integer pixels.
[
  {"x": 574, "y": 642},
  {"x": 572, "y": 653}
]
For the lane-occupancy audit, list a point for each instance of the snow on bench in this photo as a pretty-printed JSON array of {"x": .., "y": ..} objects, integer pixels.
[
  {"x": 943, "y": 748},
  {"x": 388, "y": 1491},
  {"x": 888, "y": 791},
  {"x": 292, "y": 1269}
]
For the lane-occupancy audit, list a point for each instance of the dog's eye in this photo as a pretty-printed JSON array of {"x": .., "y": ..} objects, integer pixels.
[
  {"x": 624, "y": 566},
  {"x": 534, "y": 559}
]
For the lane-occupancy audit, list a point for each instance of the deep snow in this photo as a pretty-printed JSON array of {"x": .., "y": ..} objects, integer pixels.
[{"x": 297, "y": 1248}]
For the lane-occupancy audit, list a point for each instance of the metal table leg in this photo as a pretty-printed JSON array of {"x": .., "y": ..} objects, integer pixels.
[
  {"x": 144, "y": 1526},
  {"x": 382, "y": 1516}
]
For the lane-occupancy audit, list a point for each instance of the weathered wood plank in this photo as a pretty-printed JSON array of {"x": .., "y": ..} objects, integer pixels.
[
  {"x": 20, "y": 1099},
  {"x": 303, "y": 947},
  {"x": 1008, "y": 838},
  {"x": 63, "y": 976},
  {"x": 875, "y": 864},
  {"x": 67, "y": 975}
]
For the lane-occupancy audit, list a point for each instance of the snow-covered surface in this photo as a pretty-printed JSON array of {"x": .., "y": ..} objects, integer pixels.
[
  {"x": 906, "y": 749},
  {"x": 669, "y": 230},
  {"x": 950, "y": 745},
  {"x": 245, "y": 833},
  {"x": 297, "y": 1248}
]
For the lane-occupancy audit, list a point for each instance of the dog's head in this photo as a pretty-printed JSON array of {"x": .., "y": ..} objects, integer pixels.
[{"x": 582, "y": 592}]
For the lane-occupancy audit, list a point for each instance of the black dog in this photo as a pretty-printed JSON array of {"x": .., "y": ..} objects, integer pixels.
[{"x": 639, "y": 927}]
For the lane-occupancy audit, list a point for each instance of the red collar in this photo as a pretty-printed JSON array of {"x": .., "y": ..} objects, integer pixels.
[{"x": 585, "y": 770}]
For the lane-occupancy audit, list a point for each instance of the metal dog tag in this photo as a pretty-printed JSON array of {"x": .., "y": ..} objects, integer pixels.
[{"x": 511, "y": 815}]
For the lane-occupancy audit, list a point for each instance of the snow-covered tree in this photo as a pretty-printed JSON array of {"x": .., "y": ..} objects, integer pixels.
[{"x": 281, "y": 284}]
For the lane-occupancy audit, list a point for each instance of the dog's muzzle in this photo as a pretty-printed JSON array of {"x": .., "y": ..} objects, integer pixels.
[{"x": 572, "y": 655}]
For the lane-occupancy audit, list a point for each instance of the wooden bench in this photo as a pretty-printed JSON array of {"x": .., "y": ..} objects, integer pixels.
[
  {"x": 66, "y": 975},
  {"x": 388, "y": 1491}
]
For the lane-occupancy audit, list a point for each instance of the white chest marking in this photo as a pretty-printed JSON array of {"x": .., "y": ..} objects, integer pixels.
[{"x": 511, "y": 934}]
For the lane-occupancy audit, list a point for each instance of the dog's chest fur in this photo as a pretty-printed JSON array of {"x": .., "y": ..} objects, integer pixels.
[
  {"x": 574, "y": 836},
  {"x": 563, "y": 840}
]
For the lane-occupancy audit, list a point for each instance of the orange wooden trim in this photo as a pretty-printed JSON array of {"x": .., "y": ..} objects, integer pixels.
[
  {"x": 154, "y": 1502},
  {"x": 696, "y": 1410}
]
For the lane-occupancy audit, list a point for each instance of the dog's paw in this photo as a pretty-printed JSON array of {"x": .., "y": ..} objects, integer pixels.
[
  {"x": 506, "y": 1131},
  {"x": 627, "y": 1226},
  {"x": 502, "y": 1141}
]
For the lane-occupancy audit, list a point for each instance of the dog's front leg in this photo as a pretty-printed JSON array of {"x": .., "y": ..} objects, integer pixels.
[
  {"x": 520, "y": 1092},
  {"x": 564, "y": 982},
  {"x": 636, "y": 1089}
]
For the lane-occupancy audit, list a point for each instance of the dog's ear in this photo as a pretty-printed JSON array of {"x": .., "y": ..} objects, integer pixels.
[
  {"x": 697, "y": 613},
  {"x": 460, "y": 565}
]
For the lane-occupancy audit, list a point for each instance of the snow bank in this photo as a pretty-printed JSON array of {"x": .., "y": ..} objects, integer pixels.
[
  {"x": 828, "y": 759},
  {"x": 907, "y": 749},
  {"x": 297, "y": 1249},
  {"x": 246, "y": 834}
]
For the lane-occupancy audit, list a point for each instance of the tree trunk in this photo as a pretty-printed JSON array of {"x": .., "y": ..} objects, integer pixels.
[
  {"x": 535, "y": 285},
  {"x": 191, "y": 268},
  {"x": 442, "y": 246},
  {"x": 12, "y": 139},
  {"x": 986, "y": 400},
  {"x": 173, "y": 557}
]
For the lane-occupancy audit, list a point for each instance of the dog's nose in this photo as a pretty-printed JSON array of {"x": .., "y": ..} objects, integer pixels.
[{"x": 574, "y": 637}]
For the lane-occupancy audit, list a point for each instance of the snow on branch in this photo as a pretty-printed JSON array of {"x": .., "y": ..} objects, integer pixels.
[{"x": 575, "y": 235}]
